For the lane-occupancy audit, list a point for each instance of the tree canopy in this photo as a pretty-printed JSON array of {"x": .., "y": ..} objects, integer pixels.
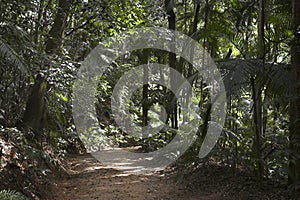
[{"x": 254, "y": 44}]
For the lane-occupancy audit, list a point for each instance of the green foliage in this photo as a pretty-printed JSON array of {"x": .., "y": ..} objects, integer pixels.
[
  {"x": 21, "y": 152},
  {"x": 223, "y": 25},
  {"x": 13, "y": 84},
  {"x": 10, "y": 56},
  {"x": 14, "y": 135},
  {"x": 11, "y": 195},
  {"x": 156, "y": 141},
  {"x": 22, "y": 165}
]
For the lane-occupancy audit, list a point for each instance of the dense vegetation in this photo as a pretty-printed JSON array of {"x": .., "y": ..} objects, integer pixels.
[{"x": 255, "y": 45}]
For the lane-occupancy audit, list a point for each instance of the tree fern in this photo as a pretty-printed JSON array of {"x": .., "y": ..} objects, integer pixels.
[{"x": 277, "y": 78}]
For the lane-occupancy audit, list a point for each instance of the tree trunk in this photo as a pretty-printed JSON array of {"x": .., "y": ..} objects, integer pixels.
[
  {"x": 172, "y": 64},
  {"x": 56, "y": 34},
  {"x": 35, "y": 115},
  {"x": 294, "y": 162},
  {"x": 38, "y": 22},
  {"x": 257, "y": 90},
  {"x": 258, "y": 124},
  {"x": 145, "y": 103}
]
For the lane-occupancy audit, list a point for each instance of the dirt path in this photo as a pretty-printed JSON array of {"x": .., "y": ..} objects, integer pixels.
[{"x": 88, "y": 179}]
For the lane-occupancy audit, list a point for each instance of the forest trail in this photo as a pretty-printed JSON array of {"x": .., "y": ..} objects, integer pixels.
[{"x": 88, "y": 179}]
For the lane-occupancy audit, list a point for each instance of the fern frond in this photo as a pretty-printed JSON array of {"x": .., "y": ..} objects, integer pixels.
[
  {"x": 11, "y": 195},
  {"x": 10, "y": 56}
]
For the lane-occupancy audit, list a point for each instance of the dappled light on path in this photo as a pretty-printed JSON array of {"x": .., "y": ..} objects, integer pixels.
[
  {"x": 118, "y": 159},
  {"x": 88, "y": 179}
]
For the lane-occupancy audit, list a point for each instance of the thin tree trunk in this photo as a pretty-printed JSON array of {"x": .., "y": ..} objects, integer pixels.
[
  {"x": 294, "y": 163},
  {"x": 172, "y": 63},
  {"x": 206, "y": 18},
  {"x": 38, "y": 21},
  {"x": 145, "y": 97},
  {"x": 257, "y": 89},
  {"x": 145, "y": 104},
  {"x": 257, "y": 119}
]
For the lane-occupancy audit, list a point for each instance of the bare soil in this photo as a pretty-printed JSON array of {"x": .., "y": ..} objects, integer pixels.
[{"x": 88, "y": 179}]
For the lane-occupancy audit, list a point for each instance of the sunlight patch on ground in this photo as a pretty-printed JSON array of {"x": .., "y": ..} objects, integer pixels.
[
  {"x": 93, "y": 168},
  {"x": 129, "y": 163}
]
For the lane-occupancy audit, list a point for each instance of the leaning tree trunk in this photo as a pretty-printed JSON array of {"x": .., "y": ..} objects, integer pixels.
[{"x": 294, "y": 162}]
